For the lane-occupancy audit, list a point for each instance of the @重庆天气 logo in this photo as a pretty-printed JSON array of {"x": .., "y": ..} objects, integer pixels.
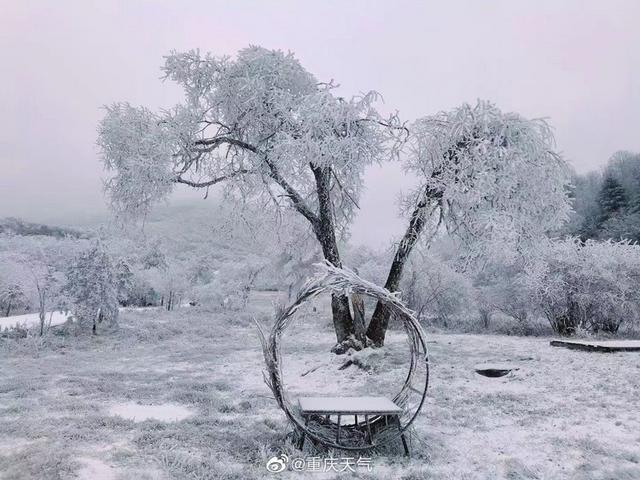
[
  {"x": 282, "y": 462},
  {"x": 277, "y": 464}
]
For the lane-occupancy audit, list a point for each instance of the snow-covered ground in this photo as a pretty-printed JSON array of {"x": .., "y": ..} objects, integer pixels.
[
  {"x": 165, "y": 412},
  {"x": 32, "y": 319},
  {"x": 563, "y": 414}
]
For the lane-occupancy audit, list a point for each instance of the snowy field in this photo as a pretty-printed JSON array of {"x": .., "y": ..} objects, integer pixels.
[{"x": 180, "y": 395}]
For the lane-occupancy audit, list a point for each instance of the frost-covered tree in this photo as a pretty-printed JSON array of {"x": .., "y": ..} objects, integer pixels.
[
  {"x": 124, "y": 280},
  {"x": 624, "y": 167},
  {"x": 173, "y": 283},
  {"x": 585, "y": 218},
  {"x": 92, "y": 287},
  {"x": 261, "y": 125},
  {"x": 612, "y": 198},
  {"x": 11, "y": 295},
  {"x": 489, "y": 177},
  {"x": 607, "y": 203},
  {"x": 35, "y": 264}
]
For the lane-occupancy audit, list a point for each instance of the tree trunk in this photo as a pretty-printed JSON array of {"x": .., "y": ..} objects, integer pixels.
[
  {"x": 324, "y": 230},
  {"x": 485, "y": 316},
  {"x": 380, "y": 318},
  {"x": 359, "y": 325},
  {"x": 8, "y": 312},
  {"x": 42, "y": 307}
]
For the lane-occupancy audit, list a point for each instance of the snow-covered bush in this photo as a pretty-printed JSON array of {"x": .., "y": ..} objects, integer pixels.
[
  {"x": 435, "y": 289},
  {"x": 370, "y": 264},
  {"x": 92, "y": 287},
  {"x": 35, "y": 265},
  {"x": 141, "y": 293},
  {"x": 500, "y": 286},
  {"x": 230, "y": 288},
  {"x": 593, "y": 286},
  {"x": 12, "y": 297}
]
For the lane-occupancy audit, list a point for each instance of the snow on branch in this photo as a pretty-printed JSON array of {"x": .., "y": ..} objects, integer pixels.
[
  {"x": 493, "y": 176},
  {"x": 257, "y": 123}
]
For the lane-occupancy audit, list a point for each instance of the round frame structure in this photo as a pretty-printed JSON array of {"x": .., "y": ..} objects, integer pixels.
[{"x": 411, "y": 396}]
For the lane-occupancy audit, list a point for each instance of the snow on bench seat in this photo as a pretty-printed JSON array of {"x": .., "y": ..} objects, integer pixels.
[{"x": 348, "y": 406}]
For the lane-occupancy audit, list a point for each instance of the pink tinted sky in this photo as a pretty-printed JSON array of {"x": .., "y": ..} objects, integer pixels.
[{"x": 575, "y": 62}]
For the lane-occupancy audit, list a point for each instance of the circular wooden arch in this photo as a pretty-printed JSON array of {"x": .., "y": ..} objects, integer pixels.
[{"x": 411, "y": 396}]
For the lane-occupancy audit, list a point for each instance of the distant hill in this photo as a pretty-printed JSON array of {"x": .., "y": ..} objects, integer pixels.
[{"x": 20, "y": 227}]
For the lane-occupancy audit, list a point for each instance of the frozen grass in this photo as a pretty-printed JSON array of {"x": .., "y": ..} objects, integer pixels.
[{"x": 563, "y": 415}]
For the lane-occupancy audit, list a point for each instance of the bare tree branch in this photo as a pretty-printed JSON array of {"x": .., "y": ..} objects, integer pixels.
[
  {"x": 211, "y": 144},
  {"x": 213, "y": 181}
]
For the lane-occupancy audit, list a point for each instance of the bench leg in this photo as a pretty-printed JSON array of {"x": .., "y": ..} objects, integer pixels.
[
  {"x": 301, "y": 443},
  {"x": 366, "y": 420},
  {"x": 403, "y": 438}
]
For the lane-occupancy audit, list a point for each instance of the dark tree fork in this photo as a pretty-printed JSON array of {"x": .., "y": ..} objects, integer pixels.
[{"x": 419, "y": 217}]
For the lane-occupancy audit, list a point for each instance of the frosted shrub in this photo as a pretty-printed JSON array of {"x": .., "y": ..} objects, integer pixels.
[
  {"x": 592, "y": 286},
  {"x": 34, "y": 266},
  {"x": 500, "y": 287},
  {"x": 433, "y": 288},
  {"x": 370, "y": 264},
  {"x": 230, "y": 288}
]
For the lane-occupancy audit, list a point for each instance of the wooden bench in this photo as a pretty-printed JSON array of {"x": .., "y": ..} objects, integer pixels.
[{"x": 366, "y": 407}]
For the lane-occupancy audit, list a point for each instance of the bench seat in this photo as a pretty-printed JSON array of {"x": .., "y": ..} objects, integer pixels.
[{"x": 348, "y": 406}]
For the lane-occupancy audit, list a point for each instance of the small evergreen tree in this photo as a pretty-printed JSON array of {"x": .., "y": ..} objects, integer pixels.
[
  {"x": 612, "y": 198},
  {"x": 634, "y": 202},
  {"x": 124, "y": 282},
  {"x": 92, "y": 287}
]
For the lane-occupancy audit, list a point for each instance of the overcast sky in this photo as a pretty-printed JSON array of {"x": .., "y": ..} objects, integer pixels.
[{"x": 575, "y": 62}]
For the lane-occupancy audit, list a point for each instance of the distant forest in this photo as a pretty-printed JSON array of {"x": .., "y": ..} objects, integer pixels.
[
  {"x": 16, "y": 226},
  {"x": 607, "y": 202}
]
